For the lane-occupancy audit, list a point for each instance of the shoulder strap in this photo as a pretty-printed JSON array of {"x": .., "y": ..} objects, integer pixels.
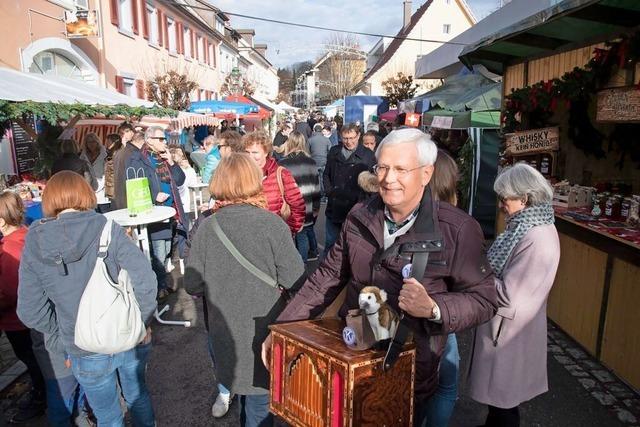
[
  {"x": 279, "y": 179},
  {"x": 105, "y": 238},
  {"x": 239, "y": 257}
]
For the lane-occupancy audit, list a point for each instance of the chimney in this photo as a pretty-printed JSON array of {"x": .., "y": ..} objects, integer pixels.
[
  {"x": 261, "y": 48},
  {"x": 407, "y": 14},
  {"x": 248, "y": 35}
]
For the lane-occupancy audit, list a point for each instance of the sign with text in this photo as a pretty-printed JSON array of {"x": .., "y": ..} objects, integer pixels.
[
  {"x": 24, "y": 149},
  {"x": 618, "y": 105},
  {"x": 532, "y": 141},
  {"x": 81, "y": 23},
  {"x": 442, "y": 122}
]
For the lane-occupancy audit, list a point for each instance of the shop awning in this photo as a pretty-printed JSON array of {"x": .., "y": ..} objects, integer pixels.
[
  {"x": 569, "y": 23},
  {"x": 183, "y": 120},
  {"x": 286, "y": 107},
  {"x": 225, "y": 107},
  {"x": 18, "y": 87},
  {"x": 445, "y": 119},
  {"x": 459, "y": 93},
  {"x": 258, "y": 111}
]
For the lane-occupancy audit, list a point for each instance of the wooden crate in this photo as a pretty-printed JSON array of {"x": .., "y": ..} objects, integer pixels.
[{"x": 317, "y": 381}]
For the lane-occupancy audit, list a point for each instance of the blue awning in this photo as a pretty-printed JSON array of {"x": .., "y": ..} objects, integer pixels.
[{"x": 212, "y": 107}]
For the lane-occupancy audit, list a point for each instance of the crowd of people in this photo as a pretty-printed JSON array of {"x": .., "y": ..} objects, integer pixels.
[{"x": 246, "y": 253}]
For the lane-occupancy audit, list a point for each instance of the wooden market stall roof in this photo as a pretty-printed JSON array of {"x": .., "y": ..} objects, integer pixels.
[{"x": 565, "y": 26}]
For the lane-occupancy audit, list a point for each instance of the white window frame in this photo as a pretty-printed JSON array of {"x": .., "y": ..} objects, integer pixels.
[
  {"x": 446, "y": 28},
  {"x": 186, "y": 35},
  {"x": 172, "y": 39},
  {"x": 220, "y": 26},
  {"x": 212, "y": 55},
  {"x": 203, "y": 94},
  {"x": 125, "y": 16},
  {"x": 152, "y": 18},
  {"x": 129, "y": 86}
]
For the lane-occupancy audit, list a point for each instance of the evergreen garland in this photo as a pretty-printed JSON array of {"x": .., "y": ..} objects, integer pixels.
[{"x": 533, "y": 106}]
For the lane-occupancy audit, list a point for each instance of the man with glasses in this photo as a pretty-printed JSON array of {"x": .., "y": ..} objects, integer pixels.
[
  {"x": 165, "y": 176},
  {"x": 383, "y": 243},
  {"x": 340, "y": 180}
]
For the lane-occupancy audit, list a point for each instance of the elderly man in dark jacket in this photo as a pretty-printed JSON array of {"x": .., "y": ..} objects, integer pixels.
[
  {"x": 340, "y": 180},
  {"x": 376, "y": 244}
]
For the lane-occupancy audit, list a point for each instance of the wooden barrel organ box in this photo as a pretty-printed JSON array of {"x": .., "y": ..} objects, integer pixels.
[{"x": 317, "y": 380}]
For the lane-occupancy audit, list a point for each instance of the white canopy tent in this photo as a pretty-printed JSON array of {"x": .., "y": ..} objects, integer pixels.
[
  {"x": 18, "y": 86},
  {"x": 283, "y": 106}
]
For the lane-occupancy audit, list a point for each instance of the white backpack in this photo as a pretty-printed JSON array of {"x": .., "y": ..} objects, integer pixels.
[{"x": 109, "y": 319}]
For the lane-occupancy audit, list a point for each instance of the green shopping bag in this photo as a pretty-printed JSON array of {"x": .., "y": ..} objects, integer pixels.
[{"x": 138, "y": 193}]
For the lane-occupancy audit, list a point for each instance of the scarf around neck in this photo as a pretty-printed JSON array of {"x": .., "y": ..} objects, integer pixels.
[
  {"x": 517, "y": 227},
  {"x": 161, "y": 165}
]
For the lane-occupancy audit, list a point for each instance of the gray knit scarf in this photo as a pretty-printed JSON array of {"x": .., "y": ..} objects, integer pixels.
[{"x": 517, "y": 227}]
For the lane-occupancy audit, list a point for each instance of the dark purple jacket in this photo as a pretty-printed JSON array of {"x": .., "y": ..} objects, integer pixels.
[{"x": 458, "y": 278}]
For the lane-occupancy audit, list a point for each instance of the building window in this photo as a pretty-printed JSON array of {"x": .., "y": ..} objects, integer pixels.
[
  {"x": 186, "y": 35},
  {"x": 212, "y": 55},
  {"x": 446, "y": 28},
  {"x": 447, "y": 1},
  {"x": 125, "y": 14},
  {"x": 200, "y": 47},
  {"x": 171, "y": 25},
  {"x": 220, "y": 26},
  {"x": 129, "y": 86},
  {"x": 203, "y": 94},
  {"x": 152, "y": 18},
  {"x": 55, "y": 64}
]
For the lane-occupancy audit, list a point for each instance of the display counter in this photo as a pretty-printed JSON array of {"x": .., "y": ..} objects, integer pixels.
[{"x": 596, "y": 293}]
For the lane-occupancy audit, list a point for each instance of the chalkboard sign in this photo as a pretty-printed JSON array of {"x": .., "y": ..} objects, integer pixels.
[
  {"x": 621, "y": 105},
  {"x": 24, "y": 148}
]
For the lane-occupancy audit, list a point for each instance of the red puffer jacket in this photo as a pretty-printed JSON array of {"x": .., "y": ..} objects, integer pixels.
[
  {"x": 10, "y": 253},
  {"x": 292, "y": 194}
]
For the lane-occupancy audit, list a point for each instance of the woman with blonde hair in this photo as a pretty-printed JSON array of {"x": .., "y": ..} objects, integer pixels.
[
  {"x": 304, "y": 170},
  {"x": 240, "y": 306},
  {"x": 58, "y": 260},
  {"x": 94, "y": 152}
]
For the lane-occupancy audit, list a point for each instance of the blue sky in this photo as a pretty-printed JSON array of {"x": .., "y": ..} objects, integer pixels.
[{"x": 287, "y": 44}]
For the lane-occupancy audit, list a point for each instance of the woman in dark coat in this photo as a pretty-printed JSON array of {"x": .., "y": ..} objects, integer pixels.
[
  {"x": 240, "y": 306},
  {"x": 304, "y": 170},
  {"x": 70, "y": 160}
]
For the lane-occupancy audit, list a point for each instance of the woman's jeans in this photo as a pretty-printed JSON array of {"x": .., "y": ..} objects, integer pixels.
[
  {"x": 98, "y": 375},
  {"x": 305, "y": 240},
  {"x": 254, "y": 411},
  {"x": 437, "y": 410},
  {"x": 160, "y": 250}
]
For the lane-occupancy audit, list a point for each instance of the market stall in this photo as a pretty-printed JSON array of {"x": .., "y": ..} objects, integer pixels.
[{"x": 571, "y": 109}]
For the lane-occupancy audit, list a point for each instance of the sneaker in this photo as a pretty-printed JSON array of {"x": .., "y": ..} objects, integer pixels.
[
  {"x": 221, "y": 405},
  {"x": 313, "y": 256},
  {"x": 30, "y": 408}
]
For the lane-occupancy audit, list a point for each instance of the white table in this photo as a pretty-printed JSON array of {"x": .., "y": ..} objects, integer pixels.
[
  {"x": 196, "y": 196},
  {"x": 141, "y": 221}
]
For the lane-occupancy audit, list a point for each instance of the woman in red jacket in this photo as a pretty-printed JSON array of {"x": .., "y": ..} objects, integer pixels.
[
  {"x": 13, "y": 232},
  {"x": 259, "y": 146}
]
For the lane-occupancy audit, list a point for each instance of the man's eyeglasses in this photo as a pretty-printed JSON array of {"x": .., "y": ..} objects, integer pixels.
[
  {"x": 222, "y": 145},
  {"x": 159, "y": 138},
  {"x": 382, "y": 170}
]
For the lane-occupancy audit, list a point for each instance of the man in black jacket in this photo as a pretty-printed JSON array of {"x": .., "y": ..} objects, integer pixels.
[{"x": 340, "y": 179}]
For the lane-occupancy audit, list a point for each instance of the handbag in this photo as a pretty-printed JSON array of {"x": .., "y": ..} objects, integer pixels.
[
  {"x": 138, "y": 193},
  {"x": 109, "y": 319},
  {"x": 264, "y": 277},
  {"x": 285, "y": 210}
]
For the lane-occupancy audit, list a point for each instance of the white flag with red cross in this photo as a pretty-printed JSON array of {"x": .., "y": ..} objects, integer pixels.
[{"x": 412, "y": 119}]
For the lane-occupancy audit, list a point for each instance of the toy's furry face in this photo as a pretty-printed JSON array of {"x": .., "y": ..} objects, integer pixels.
[{"x": 371, "y": 298}]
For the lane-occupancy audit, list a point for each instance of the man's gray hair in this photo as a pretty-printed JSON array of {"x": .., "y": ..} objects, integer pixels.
[
  {"x": 522, "y": 181},
  {"x": 151, "y": 130},
  {"x": 427, "y": 150}
]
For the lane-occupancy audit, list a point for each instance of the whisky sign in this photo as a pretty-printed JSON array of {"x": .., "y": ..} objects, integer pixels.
[
  {"x": 618, "y": 105},
  {"x": 532, "y": 141}
]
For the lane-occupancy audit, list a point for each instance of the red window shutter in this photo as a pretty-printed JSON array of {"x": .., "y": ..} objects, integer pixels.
[
  {"x": 165, "y": 28},
  {"x": 207, "y": 94},
  {"x": 134, "y": 16},
  {"x": 160, "y": 23},
  {"x": 194, "y": 50},
  {"x": 145, "y": 20},
  {"x": 198, "y": 93},
  {"x": 140, "y": 88},
  {"x": 115, "y": 20},
  {"x": 179, "y": 38},
  {"x": 120, "y": 84}
]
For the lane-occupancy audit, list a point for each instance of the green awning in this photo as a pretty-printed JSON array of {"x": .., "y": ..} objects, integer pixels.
[
  {"x": 461, "y": 119},
  {"x": 569, "y": 23}
]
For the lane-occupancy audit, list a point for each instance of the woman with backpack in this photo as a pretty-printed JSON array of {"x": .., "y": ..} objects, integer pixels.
[{"x": 60, "y": 256}]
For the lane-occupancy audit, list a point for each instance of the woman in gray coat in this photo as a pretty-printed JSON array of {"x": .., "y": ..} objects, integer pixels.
[
  {"x": 241, "y": 306},
  {"x": 509, "y": 361}
]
